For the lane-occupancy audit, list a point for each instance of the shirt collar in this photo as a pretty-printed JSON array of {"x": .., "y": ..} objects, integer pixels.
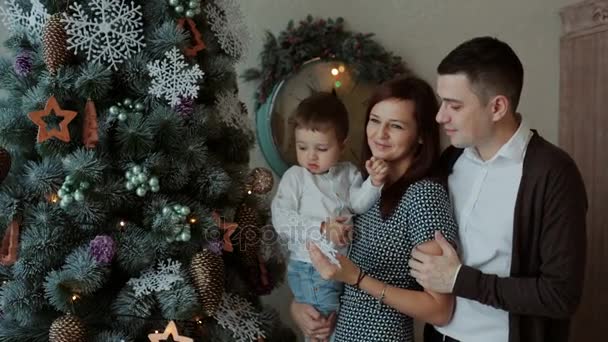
[{"x": 514, "y": 149}]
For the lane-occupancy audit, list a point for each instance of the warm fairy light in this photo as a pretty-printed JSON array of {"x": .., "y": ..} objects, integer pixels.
[
  {"x": 156, "y": 331},
  {"x": 193, "y": 220},
  {"x": 122, "y": 223},
  {"x": 249, "y": 192},
  {"x": 199, "y": 322},
  {"x": 54, "y": 198},
  {"x": 75, "y": 297},
  {"x": 335, "y": 72},
  {"x": 341, "y": 68}
]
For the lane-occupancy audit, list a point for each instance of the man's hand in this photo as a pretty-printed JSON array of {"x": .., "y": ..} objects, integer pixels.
[
  {"x": 436, "y": 273},
  {"x": 377, "y": 170},
  {"x": 311, "y": 322}
]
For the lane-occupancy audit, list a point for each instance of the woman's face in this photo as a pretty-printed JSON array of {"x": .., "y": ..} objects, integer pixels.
[{"x": 392, "y": 132}]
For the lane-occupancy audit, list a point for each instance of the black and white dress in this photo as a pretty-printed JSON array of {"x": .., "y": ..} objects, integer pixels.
[{"x": 382, "y": 249}]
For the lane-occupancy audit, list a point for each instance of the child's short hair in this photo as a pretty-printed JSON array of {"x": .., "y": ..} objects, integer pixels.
[{"x": 322, "y": 111}]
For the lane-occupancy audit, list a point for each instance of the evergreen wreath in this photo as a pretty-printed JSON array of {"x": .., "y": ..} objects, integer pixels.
[{"x": 325, "y": 39}]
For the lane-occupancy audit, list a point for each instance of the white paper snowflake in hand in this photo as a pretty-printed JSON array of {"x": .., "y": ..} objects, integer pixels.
[
  {"x": 155, "y": 281},
  {"x": 18, "y": 21},
  {"x": 237, "y": 315},
  {"x": 113, "y": 35},
  {"x": 328, "y": 249},
  {"x": 227, "y": 22},
  {"x": 230, "y": 110},
  {"x": 172, "y": 78}
]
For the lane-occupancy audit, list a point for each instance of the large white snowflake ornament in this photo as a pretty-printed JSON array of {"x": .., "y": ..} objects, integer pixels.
[
  {"x": 237, "y": 315},
  {"x": 230, "y": 110},
  {"x": 19, "y": 21},
  {"x": 227, "y": 22},
  {"x": 168, "y": 273},
  {"x": 173, "y": 78},
  {"x": 113, "y": 35}
]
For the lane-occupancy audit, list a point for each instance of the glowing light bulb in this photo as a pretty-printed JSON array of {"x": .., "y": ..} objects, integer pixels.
[
  {"x": 341, "y": 68},
  {"x": 193, "y": 220},
  {"x": 335, "y": 72},
  {"x": 122, "y": 223}
]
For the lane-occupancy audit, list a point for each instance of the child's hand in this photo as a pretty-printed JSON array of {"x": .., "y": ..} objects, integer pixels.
[
  {"x": 377, "y": 170},
  {"x": 337, "y": 231}
]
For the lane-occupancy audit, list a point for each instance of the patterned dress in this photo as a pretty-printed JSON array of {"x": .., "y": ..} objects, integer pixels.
[{"x": 382, "y": 249}]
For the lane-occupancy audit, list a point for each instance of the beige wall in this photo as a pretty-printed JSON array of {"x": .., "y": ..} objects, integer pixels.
[{"x": 422, "y": 32}]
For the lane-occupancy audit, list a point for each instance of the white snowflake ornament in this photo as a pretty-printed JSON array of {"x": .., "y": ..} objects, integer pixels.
[
  {"x": 328, "y": 249},
  {"x": 227, "y": 22},
  {"x": 173, "y": 78},
  {"x": 230, "y": 110},
  {"x": 238, "y": 315},
  {"x": 19, "y": 21},
  {"x": 113, "y": 35},
  {"x": 155, "y": 281}
]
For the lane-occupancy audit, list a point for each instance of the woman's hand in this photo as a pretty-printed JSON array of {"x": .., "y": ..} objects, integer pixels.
[
  {"x": 347, "y": 272},
  {"x": 311, "y": 322}
]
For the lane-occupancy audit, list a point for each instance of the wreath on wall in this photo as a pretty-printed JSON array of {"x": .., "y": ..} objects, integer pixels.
[{"x": 326, "y": 39}]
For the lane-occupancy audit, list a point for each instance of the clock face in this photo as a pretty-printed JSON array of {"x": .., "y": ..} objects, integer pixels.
[{"x": 314, "y": 76}]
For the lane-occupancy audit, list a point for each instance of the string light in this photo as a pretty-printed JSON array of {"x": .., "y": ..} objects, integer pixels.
[
  {"x": 335, "y": 72},
  {"x": 54, "y": 198},
  {"x": 156, "y": 331},
  {"x": 249, "y": 192},
  {"x": 122, "y": 223},
  {"x": 338, "y": 84},
  {"x": 341, "y": 68},
  {"x": 193, "y": 220},
  {"x": 75, "y": 297}
]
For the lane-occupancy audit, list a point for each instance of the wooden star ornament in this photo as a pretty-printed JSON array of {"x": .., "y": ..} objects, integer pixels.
[
  {"x": 228, "y": 227},
  {"x": 44, "y": 133},
  {"x": 170, "y": 330}
]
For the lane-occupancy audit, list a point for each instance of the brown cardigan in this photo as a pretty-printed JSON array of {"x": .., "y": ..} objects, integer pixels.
[{"x": 549, "y": 248}]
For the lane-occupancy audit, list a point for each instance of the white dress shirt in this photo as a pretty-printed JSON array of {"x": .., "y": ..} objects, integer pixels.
[
  {"x": 484, "y": 194},
  {"x": 304, "y": 200}
]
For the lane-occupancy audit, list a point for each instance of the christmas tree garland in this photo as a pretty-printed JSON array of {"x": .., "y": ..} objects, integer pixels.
[{"x": 325, "y": 39}]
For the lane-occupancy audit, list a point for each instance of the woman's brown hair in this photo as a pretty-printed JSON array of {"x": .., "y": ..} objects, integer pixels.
[{"x": 425, "y": 108}]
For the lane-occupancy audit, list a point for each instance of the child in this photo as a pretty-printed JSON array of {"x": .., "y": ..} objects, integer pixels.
[{"x": 317, "y": 189}]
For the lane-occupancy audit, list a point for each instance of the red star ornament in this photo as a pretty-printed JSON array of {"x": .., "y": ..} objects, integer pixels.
[
  {"x": 170, "y": 330},
  {"x": 228, "y": 227},
  {"x": 199, "y": 45},
  {"x": 62, "y": 133}
]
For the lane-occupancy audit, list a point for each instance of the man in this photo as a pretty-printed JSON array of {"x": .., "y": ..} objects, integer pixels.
[{"x": 520, "y": 205}]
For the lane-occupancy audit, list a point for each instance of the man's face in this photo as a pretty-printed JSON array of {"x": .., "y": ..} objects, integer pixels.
[{"x": 464, "y": 118}]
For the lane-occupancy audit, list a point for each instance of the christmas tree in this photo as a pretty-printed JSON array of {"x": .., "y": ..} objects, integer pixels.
[{"x": 129, "y": 210}]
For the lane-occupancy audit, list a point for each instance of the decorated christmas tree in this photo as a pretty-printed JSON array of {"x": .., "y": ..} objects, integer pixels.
[{"x": 129, "y": 209}]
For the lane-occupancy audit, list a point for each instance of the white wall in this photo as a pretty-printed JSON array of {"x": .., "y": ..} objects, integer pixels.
[{"x": 423, "y": 32}]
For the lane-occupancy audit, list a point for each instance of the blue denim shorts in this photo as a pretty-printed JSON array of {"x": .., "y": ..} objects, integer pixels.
[{"x": 308, "y": 287}]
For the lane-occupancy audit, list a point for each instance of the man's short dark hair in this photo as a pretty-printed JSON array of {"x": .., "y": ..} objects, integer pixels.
[
  {"x": 322, "y": 111},
  {"x": 491, "y": 66}
]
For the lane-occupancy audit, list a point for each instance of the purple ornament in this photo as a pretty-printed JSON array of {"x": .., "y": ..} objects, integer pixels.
[
  {"x": 102, "y": 249},
  {"x": 185, "y": 107},
  {"x": 216, "y": 247},
  {"x": 23, "y": 63}
]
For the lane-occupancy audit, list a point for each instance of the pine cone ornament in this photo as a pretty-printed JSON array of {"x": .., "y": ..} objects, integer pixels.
[
  {"x": 259, "y": 181},
  {"x": 249, "y": 235},
  {"x": 55, "y": 43},
  {"x": 207, "y": 273},
  {"x": 5, "y": 164},
  {"x": 68, "y": 328}
]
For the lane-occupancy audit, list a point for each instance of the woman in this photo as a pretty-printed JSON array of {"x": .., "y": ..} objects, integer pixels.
[{"x": 380, "y": 297}]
